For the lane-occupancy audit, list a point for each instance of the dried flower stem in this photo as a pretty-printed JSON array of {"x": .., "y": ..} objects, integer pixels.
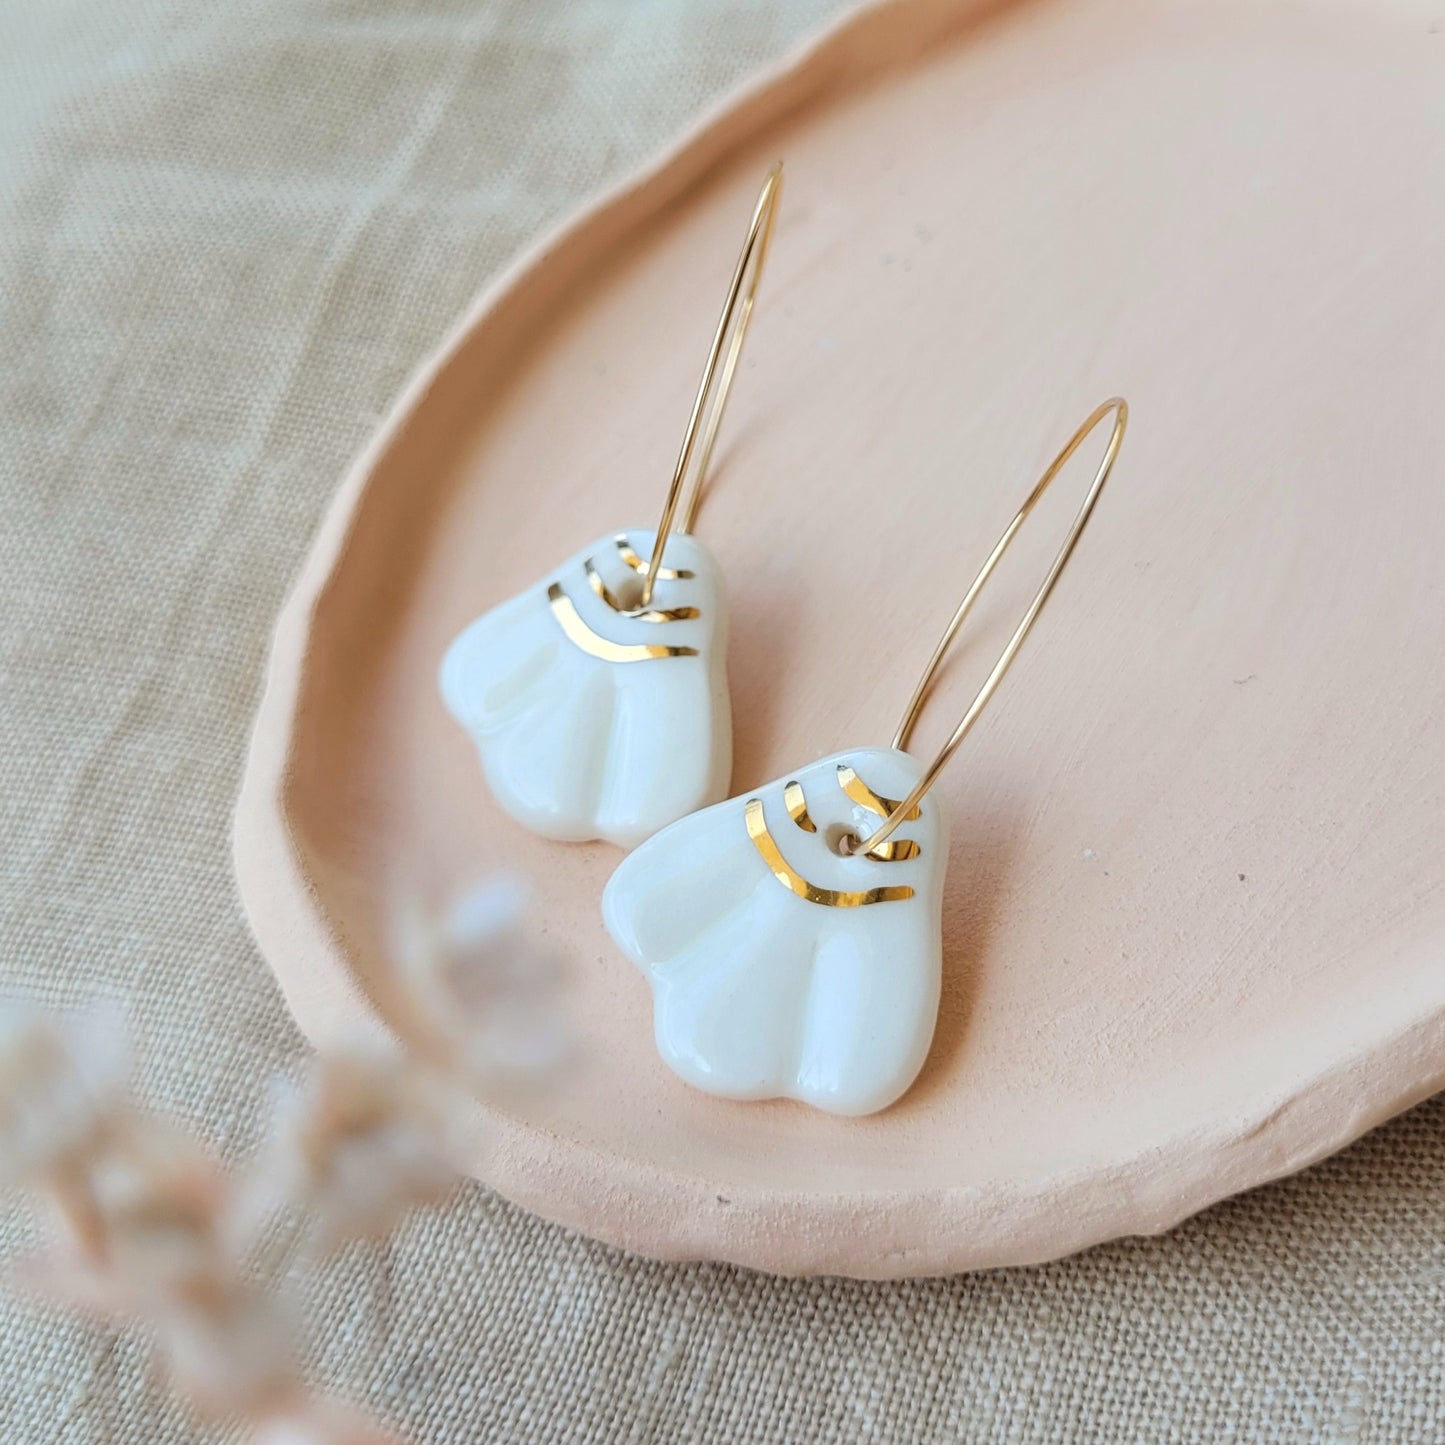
[{"x": 154, "y": 1230}]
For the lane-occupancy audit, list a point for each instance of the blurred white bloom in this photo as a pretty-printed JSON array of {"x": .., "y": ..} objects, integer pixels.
[
  {"x": 475, "y": 981},
  {"x": 156, "y": 1230},
  {"x": 153, "y": 1248},
  {"x": 148, "y": 1242},
  {"x": 160, "y": 1198},
  {"x": 62, "y": 1081},
  {"x": 365, "y": 1137}
]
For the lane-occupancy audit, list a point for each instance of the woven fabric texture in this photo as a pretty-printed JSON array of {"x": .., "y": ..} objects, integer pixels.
[{"x": 227, "y": 233}]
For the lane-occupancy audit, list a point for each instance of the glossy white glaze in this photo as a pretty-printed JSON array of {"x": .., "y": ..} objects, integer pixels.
[
  {"x": 577, "y": 746},
  {"x": 761, "y": 993}
]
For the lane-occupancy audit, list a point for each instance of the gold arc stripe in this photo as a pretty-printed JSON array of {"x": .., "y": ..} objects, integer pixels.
[
  {"x": 795, "y": 882},
  {"x": 865, "y": 797},
  {"x": 797, "y": 806},
  {"x": 898, "y": 850},
  {"x": 664, "y": 574},
  {"x": 675, "y": 614},
  {"x": 583, "y": 637}
]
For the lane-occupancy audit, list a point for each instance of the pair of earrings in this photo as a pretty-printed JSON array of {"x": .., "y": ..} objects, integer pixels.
[{"x": 792, "y": 935}]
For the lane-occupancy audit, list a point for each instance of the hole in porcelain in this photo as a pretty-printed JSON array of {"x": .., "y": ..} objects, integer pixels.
[
  {"x": 842, "y": 840},
  {"x": 629, "y": 594}
]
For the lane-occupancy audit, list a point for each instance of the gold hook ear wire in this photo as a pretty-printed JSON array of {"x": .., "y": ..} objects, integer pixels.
[
  {"x": 738, "y": 308},
  {"x": 1120, "y": 408}
]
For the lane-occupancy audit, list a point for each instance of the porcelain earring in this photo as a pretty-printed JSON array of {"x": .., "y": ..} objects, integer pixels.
[
  {"x": 597, "y": 699},
  {"x": 792, "y": 936}
]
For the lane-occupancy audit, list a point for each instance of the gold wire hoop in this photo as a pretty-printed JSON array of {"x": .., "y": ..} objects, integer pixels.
[
  {"x": 736, "y": 313},
  {"x": 1120, "y": 408}
]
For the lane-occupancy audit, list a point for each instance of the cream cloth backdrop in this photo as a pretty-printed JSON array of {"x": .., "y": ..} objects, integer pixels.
[{"x": 227, "y": 233}]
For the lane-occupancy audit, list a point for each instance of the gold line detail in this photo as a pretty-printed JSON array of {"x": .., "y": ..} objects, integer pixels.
[
  {"x": 675, "y": 614},
  {"x": 583, "y": 637},
  {"x": 797, "y": 806},
  {"x": 865, "y": 797},
  {"x": 664, "y": 574},
  {"x": 795, "y": 882}
]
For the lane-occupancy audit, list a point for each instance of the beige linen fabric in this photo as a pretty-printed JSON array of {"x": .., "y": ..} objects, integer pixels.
[{"x": 227, "y": 233}]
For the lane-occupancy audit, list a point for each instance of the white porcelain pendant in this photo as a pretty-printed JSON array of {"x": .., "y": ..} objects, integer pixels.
[
  {"x": 594, "y": 720},
  {"x": 778, "y": 966}
]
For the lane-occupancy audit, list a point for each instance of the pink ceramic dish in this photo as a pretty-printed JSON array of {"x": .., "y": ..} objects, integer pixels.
[{"x": 1195, "y": 911}]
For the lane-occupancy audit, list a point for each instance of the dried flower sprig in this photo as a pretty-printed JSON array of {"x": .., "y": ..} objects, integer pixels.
[
  {"x": 364, "y": 1137},
  {"x": 62, "y": 1083},
  {"x": 475, "y": 993},
  {"x": 142, "y": 1215},
  {"x": 153, "y": 1230}
]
